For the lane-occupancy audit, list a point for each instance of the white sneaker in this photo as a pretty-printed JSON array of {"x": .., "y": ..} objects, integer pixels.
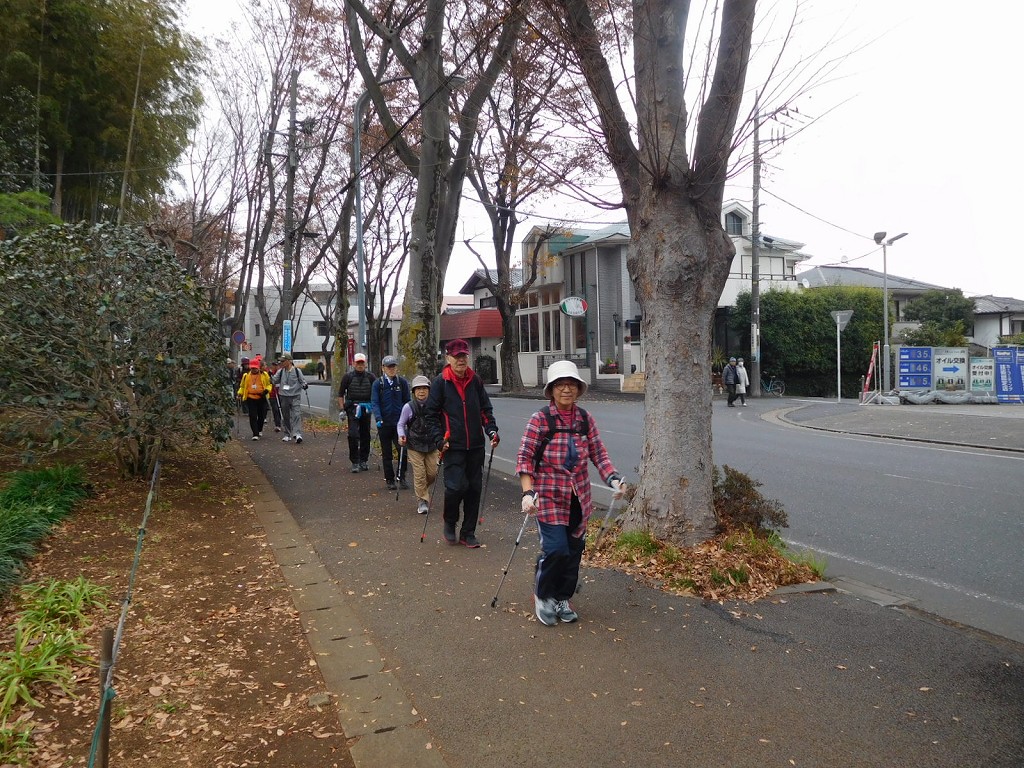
[
  {"x": 286, "y": 439},
  {"x": 298, "y": 438},
  {"x": 545, "y": 610},
  {"x": 564, "y": 612},
  {"x": 255, "y": 437}
]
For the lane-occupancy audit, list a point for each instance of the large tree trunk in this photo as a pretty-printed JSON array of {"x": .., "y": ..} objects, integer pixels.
[
  {"x": 511, "y": 379},
  {"x": 679, "y": 265}
]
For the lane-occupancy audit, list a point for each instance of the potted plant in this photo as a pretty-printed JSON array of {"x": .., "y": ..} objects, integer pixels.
[
  {"x": 718, "y": 362},
  {"x": 610, "y": 366}
]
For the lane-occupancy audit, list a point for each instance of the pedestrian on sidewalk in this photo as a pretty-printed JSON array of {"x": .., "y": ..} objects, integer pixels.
[
  {"x": 389, "y": 394},
  {"x": 320, "y": 368},
  {"x": 459, "y": 414},
  {"x": 730, "y": 377},
  {"x": 275, "y": 402},
  {"x": 254, "y": 390},
  {"x": 552, "y": 465},
  {"x": 742, "y": 382},
  {"x": 414, "y": 434},
  {"x": 290, "y": 384},
  {"x": 354, "y": 393}
]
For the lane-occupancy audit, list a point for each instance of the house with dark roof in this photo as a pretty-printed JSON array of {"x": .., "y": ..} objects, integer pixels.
[
  {"x": 996, "y": 316},
  {"x": 605, "y": 340}
]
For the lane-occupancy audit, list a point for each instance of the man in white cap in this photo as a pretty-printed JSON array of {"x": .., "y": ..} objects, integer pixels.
[
  {"x": 289, "y": 383},
  {"x": 354, "y": 393},
  {"x": 389, "y": 393}
]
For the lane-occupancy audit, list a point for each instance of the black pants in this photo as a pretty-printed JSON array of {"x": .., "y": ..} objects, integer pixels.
[
  {"x": 257, "y": 414},
  {"x": 463, "y": 483},
  {"x": 358, "y": 437},
  {"x": 388, "y": 447},
  {"x": 732, "y": 393}
]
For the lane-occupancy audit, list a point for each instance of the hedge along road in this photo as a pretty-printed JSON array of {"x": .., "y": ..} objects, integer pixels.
[{"x": 934, "y": 524}]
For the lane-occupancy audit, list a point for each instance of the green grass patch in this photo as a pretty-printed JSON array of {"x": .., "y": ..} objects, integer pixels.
[
  {"x": 636, "y": 545},
  {"x": 31, "y": 503}
]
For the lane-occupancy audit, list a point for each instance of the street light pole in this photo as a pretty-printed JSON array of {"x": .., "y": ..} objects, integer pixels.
[
  {"x": 289, "y": 217},
  {"x": 755, "y": 271},
  {"x": 357, "y": 131},
  {"x": 880, "y": 240}
]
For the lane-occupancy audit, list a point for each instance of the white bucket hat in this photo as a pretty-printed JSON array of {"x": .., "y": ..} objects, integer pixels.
[{"x": 563, "y": 369}]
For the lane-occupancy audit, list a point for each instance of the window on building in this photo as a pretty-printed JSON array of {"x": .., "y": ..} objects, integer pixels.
[
  {"x": 529, "y": 336},
  {"x": 552, "y": 320},
  {"x": 257, "y": 331},
  {"x": 733, "y": 223},
  {"x": 579, "y": 329},
  {"x": 322, "y": 327},
  {"x": 488, "y": 301}
]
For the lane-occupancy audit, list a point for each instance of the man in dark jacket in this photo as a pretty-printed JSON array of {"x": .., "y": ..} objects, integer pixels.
[
  {"x": 354, "y": 395},
  {"x": 459, "y": 413},
  {"x": 730, "y": 377},
  {"x": 390, "y": 393}
]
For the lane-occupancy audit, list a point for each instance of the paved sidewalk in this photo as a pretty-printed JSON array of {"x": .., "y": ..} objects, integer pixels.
[{"x": 428, "y": 674}]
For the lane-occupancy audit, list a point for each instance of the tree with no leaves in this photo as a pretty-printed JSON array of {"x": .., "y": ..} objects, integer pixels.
[{"x": 680, "y": 254}]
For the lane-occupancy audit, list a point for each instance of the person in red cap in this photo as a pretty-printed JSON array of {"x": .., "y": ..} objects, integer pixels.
[
  {"x": 255, "y": 391},
  {"x": 459, "y": 414}
]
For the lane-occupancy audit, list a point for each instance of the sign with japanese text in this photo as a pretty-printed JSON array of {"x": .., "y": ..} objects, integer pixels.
[
  {"x": 949, "y": 367},
  {"x": 286, "y": 336},
  {"x": 1009, "y": 379},
  {"x": 983, "y": 374}
]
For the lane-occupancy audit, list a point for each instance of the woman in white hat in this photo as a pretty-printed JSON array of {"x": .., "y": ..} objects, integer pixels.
[
  {"x": 414, "y": 434},
  {"x": 552, "y": 464}
]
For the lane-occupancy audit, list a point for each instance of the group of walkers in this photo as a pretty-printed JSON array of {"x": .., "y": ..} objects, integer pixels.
[
  {"x": 441, "y": 428},
  {"x": 276, "y": 389}
]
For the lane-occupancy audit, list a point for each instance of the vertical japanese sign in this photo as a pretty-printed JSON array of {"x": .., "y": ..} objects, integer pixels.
[
  {"x": 286, "y": 340},
  {"x": 983, "y": 375},
  {"x": 1009, "y": 374},
  {"x": 915, "y": 368},
  {"x": 949, "y": 367}
]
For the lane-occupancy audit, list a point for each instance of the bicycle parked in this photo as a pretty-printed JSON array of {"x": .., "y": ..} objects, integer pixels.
[{"x": 773, "y": 386}]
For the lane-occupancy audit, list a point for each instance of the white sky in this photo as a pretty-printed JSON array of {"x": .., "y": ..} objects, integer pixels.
[{"x": 919, "y": 141}]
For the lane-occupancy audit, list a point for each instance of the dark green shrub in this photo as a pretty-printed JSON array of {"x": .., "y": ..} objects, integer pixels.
[{"x": 738, "y": 504}]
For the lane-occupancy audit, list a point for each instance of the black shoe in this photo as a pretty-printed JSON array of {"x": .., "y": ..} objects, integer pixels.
[
  {"x": 469, "y": 540},
  {"x": 355, "y": 469},
  {"x": 363, "y": 467},
  {"x": 403, "y": 485},
  {"x": 392, "y": 486},
  {"x": 449, "y": 533}
]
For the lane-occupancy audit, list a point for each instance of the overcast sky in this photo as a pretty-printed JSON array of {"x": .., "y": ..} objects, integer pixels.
[{"x": 919, "y": 139}]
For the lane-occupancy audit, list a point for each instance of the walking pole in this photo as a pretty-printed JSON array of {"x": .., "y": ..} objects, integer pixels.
[
  {"x": 310, "y": 407},
  {"x": 604, "y": 523},
  {"x": 487, "y": 480},
  {"x": 398, "y": 485},
  {"x": 438, "y": 480},
  {"x": 341, "y": 423},
  {"x": 508, "y": 565}
]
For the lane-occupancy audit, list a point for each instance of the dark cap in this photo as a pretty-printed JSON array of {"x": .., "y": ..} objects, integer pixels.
[{"x": 457, "y": 347}]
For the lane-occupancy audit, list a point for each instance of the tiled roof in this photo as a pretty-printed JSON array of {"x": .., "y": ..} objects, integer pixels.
[
  {"x": 475, "y": 324},
  {"x": 997, "y": 305},
  {"x": 869, "y": 278}
]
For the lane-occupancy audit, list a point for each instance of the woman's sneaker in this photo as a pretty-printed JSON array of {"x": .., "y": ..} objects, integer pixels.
[
  {"x": 545, "y": 610},
  {"x": 564, "y": 612},
  {"x": 423, "y": 507}
]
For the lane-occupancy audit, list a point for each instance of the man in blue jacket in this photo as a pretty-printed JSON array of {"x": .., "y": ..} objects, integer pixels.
[
  {"x": 459, "y": 414},
  {"x": 389, "y": 393}
]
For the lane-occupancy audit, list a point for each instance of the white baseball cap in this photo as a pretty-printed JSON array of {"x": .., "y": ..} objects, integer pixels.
[{"x": 358, "y": 357}]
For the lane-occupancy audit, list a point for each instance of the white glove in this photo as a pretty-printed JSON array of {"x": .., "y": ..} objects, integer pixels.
[
  {"x": 618, "y": 486},
  {"x": 530, "y": 503}
]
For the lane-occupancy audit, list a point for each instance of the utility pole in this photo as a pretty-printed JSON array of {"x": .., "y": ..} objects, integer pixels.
[
  {"x": 755, "y": 274},
  {"x": 289, "y": 216}
]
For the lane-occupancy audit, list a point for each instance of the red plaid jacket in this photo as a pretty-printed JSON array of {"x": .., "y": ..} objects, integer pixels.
[{"x": 554, "y": 484}]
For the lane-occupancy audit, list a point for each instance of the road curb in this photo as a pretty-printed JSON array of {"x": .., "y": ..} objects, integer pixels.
[{"x": 371, "y": 706}]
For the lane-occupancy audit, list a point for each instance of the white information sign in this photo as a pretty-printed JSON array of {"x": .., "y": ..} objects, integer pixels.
[
  {"x": 950, "y": 367},
  {"x": 983, "y": 374}
]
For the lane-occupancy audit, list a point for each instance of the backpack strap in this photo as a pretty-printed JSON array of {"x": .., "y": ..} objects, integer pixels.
[{"x": 553, "y": 428}]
